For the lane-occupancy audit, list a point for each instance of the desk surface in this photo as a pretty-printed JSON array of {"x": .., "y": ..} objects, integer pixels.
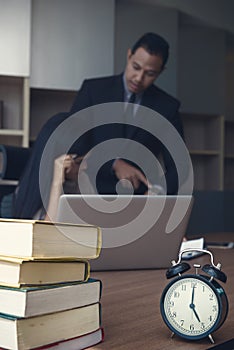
[{"x": 130, "y": 308}]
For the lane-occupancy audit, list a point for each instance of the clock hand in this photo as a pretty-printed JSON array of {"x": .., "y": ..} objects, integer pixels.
[
  {"x": 193, "y": 295},
  {"x": 192, "y": 306}
]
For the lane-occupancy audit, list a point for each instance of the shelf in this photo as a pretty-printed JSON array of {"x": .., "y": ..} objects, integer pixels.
[
  {"x": 229, "y": 174},
  {"x": 11, "y": 132},
  {"x": 44, "y": 104},
  {"x": 204, "y": 153},
  {"x": 14, "y": 92},
  {"x": 8, "y": 182},
  {"x": 229, "y": 138},
  {"x": 229, "y": 156},
  {"x": 204, "y": 137}
]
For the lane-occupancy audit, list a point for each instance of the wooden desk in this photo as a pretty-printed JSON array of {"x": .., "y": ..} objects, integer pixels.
[{"x": 130, "y": 309}]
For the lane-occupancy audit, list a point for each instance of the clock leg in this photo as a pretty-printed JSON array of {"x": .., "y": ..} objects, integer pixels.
[{"x": 211, "y": 338}]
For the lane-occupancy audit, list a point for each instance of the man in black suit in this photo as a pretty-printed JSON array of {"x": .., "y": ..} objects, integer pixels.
[{"x": 145, "y": 62}]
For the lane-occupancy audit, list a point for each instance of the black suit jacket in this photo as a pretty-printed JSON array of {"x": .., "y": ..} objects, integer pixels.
[
  {"x": 110, "y": 89},
  {"x": 93, "y": 92}
]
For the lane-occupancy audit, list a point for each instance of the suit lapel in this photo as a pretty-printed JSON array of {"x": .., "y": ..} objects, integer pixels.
[
  {"x": 116, "y": 92},
  {"x": 149, "y": 97}
]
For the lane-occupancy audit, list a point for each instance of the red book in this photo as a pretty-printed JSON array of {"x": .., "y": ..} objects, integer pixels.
[{"x": 78, "y": 343}]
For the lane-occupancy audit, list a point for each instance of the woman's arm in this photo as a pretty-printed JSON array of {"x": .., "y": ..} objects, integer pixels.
[{"x": 65, "y": 167}]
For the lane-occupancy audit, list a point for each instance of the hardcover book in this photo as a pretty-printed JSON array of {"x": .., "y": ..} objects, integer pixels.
[
  {"x": 32, "y": 332},
  {"x": 16, "y": 272},
  {"x": 79, "y": 343},
  {"x": 34, "y": 301},
  {"x": 42, "y": 239}
]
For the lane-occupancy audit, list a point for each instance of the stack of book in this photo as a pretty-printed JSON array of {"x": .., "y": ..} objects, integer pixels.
[{"x": 47, "y": 298}]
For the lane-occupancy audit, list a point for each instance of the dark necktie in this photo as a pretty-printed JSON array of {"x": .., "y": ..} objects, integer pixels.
[
  {"x": 129, "y": 113},
  {"x": 130, "y": 106}
]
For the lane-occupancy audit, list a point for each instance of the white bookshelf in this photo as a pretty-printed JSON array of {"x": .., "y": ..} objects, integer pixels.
[{"x": 15, "y": 94}]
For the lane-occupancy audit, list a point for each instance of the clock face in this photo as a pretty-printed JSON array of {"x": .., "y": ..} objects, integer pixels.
[{"x": 190, "y": 306}]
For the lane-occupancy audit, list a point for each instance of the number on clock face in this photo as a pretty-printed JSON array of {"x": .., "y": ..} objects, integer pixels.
[{"x": 191, "y": 307}]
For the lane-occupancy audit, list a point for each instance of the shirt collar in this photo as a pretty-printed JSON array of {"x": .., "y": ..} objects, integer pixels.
[{"x": 127, "y": 93}]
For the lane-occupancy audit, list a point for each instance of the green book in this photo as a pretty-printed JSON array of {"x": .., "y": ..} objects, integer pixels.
[{"x": 34, "y": 301}]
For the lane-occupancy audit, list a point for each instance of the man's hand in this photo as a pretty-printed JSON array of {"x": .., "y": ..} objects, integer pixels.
[{"x": 125, "y": 171}]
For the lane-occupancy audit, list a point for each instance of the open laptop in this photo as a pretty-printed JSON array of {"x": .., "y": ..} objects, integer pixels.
[{"x": 138, "y": 232}]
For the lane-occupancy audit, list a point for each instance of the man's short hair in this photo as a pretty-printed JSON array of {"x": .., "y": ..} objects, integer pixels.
[{"x": 153, "y": 44}]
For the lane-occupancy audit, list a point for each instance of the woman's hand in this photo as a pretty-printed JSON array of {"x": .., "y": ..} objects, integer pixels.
[{"x": 66, "y": 167}]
